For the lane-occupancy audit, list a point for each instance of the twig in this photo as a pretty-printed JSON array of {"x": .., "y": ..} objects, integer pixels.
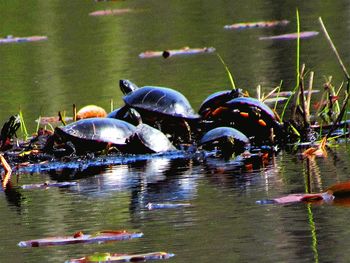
[
  {"x": 341, "y": 113},
  {"x": 61, "y": 118},
  {"x": 8, "y": 171},
  {"x": 258, "y": 92},
  {"x": 302, "y": 96},
  {"x": 74, "y": 112},
  {"x": 334, "y": 49},
  {"x": 308, "y": 100}
]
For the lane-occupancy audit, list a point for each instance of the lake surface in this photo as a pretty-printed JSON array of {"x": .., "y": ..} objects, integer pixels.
[{"x": 81, "y": 63}]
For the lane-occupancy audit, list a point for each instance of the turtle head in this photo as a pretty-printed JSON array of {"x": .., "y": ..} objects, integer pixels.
[
  {"x": 127, "y": 86},
  {"x": 135, "y": 116},
  {"x": 235, "y": 93}
]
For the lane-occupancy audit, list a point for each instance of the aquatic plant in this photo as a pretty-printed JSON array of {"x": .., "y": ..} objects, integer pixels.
[{"x": 227, "y": 71}]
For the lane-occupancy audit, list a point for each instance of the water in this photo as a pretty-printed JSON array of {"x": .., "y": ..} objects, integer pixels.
[{"x": 82, "y": 62}]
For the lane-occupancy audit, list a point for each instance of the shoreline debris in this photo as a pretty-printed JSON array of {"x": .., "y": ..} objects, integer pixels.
[
  {"x": 109, "y": 12},
  {"x": 259, "y": 24},
  {"x": 116, "y": 257},
  {"x": 175, "y": 52},
  {"x": 12, "y": 39},
  {"x": 80, "y": 237},
  {"x": 302, "y": 35}
]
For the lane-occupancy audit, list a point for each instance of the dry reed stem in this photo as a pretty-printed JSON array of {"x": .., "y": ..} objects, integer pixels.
[
  {"x": 8, "y": 171},
  {"x": 74, "y": 112},
  {"x": 334, "y": 48},
  {"x": 308, "y": 100}
]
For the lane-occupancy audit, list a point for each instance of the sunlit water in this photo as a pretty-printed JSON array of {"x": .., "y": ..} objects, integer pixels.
[{"x": 82, "y": 62}]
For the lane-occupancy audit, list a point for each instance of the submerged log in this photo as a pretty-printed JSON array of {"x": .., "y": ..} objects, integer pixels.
[{"x": 80, "y": 237}]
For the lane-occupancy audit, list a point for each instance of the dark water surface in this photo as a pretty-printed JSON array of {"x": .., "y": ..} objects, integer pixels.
[{"x": 82, "y": 62}]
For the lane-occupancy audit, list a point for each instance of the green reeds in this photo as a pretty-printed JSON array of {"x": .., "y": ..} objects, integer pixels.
[
  {"x": 297, "y": 66},
  {"x": 62, "y": 117},
  {"x": 38, "y": 124},
  {"x": 347, "y": 93},
  {"x": 228, "y": 71},
  {"x": 23, "y": 125},
  {"x": 334, "y": 49}
]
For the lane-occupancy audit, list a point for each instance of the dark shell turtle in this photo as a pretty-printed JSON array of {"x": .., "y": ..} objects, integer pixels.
[
  {"x": 226, "y": 139},
  {"x": 123, "y": 113},
  {"x": 250, "y": 116},
  {"x": 157, "y": 100},
  {"x": 162, "y": 108},
  {"x": 216, "y": 100},
  {"x": 95, "y": 134}
]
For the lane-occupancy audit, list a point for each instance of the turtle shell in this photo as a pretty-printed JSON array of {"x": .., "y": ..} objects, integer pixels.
[
  {"x": 160, "y": 100},
  {"x": 250, "y": 116},
  {"x": 225, "y": 137},
  {"x": 147, "y": 139},
  {"x": 248, "y": 104},
  {"x": 95, "y": 133},
  {"x": 123, "y": 114},
  {"x": 216, "y": 100}
]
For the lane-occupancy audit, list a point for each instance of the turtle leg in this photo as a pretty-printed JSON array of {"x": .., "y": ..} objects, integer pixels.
[
  {"x": 8, "y": 131},
  {"x": 188, "y": 130},
  {"x": 49, "y": 145}
]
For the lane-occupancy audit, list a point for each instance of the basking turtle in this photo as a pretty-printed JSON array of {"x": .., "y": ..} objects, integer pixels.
[
  {"x": 158, "y": 100},
  {"x": 93, "y": 134},
  {"x": 161, "y": 107},
  {"x": 97, "y": 134},
  {"x": 227, "y": 140},
  {"x": 250, "y": 116},
  {"x": 217, "y": 99},
  {"x": 146, "y": 139},
  {"x": 123, "y": 113}
]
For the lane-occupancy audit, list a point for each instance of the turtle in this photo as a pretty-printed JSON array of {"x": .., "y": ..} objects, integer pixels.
[
  {"x": 97, "y": 134},
  {"x": 146, "y": 139},
  {"x": 123, "y": 113},
  {"x": 227, "y": 140},
  {"x": 250, "y": 116},
  {"x": 162, "y": 108},
  {"x": 216, "y": 100},
  {"x": 92, "y": 134},
  {"x": 158, "y": 100}
]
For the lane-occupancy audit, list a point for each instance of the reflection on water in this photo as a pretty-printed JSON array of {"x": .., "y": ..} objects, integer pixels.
[
  {"x": 224, "y": 210},
  {"x": 82, "y": 61}
]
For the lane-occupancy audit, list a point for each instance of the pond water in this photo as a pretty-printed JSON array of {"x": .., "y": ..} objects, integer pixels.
[{"x": 81, "y": 63}]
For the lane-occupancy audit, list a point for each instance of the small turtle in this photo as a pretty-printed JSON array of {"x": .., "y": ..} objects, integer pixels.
[
  {"x": 225, "y": 139},
  {"x": 146, "y": 139}
]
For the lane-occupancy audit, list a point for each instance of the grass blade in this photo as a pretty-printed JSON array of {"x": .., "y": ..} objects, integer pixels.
[{"x": 228, "y": 72}]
